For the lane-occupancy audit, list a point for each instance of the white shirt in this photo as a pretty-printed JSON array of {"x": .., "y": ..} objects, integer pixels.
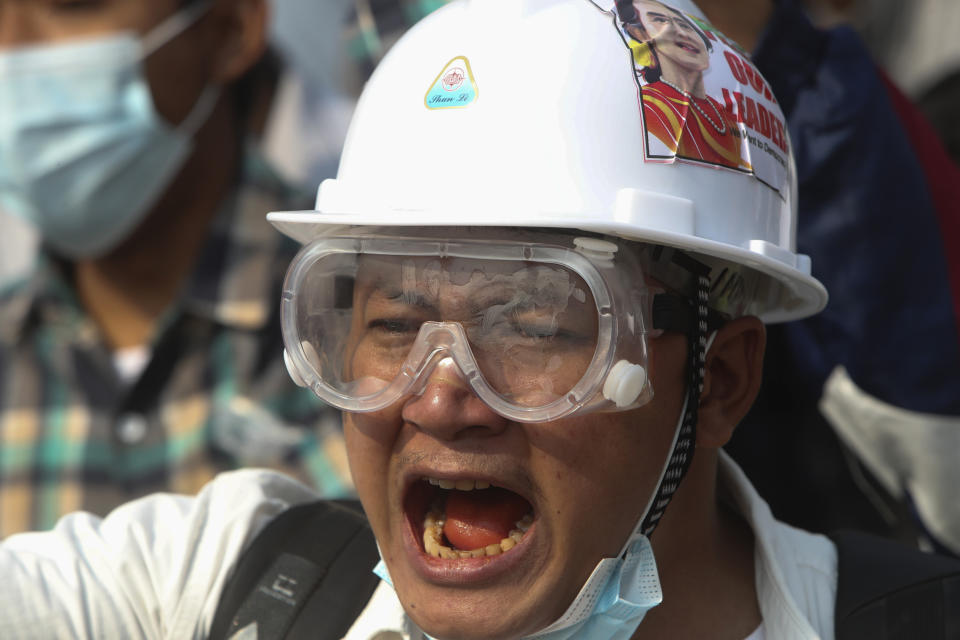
[
  {"x": 796, "y": 571},
  {"x": 155, "y": 568}
]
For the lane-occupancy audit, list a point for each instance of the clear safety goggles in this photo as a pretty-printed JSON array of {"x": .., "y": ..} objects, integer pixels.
[{"x": 539, "y": 326}]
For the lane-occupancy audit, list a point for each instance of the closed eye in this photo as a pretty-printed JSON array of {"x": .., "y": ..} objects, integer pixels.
[{"x": 395, "y": 326}]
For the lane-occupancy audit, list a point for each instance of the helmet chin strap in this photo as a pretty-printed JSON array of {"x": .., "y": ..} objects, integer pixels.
[{"x": 685, "y": 434}]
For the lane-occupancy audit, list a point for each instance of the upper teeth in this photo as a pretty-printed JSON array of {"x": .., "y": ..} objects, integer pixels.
[{"x": 459, "y": 485}]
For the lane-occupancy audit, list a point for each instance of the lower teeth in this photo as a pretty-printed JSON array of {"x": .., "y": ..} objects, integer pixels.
[{"x": 433, "y": 538}]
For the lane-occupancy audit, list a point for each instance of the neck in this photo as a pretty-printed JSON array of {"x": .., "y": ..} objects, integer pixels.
[
  {"x": 684, "y": 79},
  {"x": 705, "y": 560},
  {"x": 128, "y": 290}
]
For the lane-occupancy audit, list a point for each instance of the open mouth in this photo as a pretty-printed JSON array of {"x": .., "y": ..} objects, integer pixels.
[{"x": 466, "y": 518}]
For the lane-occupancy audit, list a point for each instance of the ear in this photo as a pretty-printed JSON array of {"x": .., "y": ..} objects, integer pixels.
[
  {"x": 734, "y": 369},
  {"x": 241, "y": 36}
]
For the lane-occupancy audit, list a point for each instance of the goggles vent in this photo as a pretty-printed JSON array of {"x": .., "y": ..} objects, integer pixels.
[
  {"x": 625, "y": 383},
  {"x": 600, "y": 252}
]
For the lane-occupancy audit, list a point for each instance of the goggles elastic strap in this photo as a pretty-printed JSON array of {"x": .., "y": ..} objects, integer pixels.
[
  {"x": 672, "y": 312},
  {"x": 172, "y": 27},
  {"x": 682, "y": 454}
]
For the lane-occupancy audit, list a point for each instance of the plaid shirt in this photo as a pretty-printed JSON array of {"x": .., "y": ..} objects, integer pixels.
[{"x": 214, "y": 395}]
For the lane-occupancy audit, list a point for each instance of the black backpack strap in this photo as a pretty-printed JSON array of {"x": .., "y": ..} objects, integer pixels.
[
  {"x": 888, "y": 591},
  {"x": 308, "y": 574}
]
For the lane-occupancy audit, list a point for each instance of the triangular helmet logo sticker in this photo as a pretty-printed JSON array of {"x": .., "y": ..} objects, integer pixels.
[{"x": 455, "y": 86}]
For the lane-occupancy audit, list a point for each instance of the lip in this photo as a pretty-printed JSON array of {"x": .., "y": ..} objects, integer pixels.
[
  {"x": 687, "y": 46},
  {"x": 463, "y": 571}
]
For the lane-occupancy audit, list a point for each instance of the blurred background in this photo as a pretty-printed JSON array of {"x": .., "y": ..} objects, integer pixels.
[{"x": 916, "y": 44}]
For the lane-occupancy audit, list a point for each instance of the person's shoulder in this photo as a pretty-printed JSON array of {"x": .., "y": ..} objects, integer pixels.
[
  {"x": 250, "y": 487},
  {"x": 268, "y": 481},
  {"x": 163, "y": 558},
  {"x": 235, "y": 502},
  {"x": 883, "y": 582},
  {"x": 796, "y": 570},
  {"x": 809, "y": 551}
]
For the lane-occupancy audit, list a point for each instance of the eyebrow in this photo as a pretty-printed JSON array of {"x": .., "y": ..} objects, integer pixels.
[
  {"x": 376, "y": 285},
  {"x": 409, "y": 297},
  {"x": 657, "y": 14}
]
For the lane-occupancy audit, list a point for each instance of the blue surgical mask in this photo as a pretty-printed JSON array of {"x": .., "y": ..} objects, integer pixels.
[
  {"x": 614, "y": 600},
  {"x": 83, "y": 154},
  {"x": 612, "y": 603}
]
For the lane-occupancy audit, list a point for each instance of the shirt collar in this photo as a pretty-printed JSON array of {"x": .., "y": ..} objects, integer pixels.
[
  {"x": 44, "y": 293},
  {"x": 787, "y": 600}
]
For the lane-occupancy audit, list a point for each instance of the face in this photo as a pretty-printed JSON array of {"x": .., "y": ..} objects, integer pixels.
[
  {"x": 175, "y": 76},
  {"x": 576, "y": 486},
  {"x": 675, "y": 37}
]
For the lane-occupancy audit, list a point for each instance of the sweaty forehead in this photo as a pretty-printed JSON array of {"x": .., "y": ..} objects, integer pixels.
[
  {"x": 460, "y": 270},
  {"x": 436, "y": 281}
]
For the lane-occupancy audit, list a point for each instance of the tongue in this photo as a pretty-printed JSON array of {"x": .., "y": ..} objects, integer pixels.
[{"x": 476, "y": 519}]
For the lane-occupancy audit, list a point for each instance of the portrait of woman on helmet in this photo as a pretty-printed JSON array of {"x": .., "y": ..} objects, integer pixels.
[{"x": 671, "y": 55}]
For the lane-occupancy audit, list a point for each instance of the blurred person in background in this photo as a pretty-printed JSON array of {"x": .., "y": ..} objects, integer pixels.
[
  {"x": 916, "y": 44},
  {"x": 941, "y": 104},
  {"x": 17, "y": 247},
  {"x": 142, "y": 351},
  {"x": 879, "y": 369},
  {"x": 299, "y": 125},
  {"x": 311, "y": 107}
]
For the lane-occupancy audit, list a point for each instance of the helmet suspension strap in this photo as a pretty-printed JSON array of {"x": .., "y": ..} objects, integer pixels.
[{"x": 682, "y": 453}]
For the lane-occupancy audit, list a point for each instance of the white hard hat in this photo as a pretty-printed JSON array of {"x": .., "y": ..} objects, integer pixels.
[{"x": 532, "y": 113}]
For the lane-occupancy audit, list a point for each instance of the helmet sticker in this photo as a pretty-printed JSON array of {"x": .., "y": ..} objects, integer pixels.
[
  {"x": 454, "y": 87},
  {"x": 701, "y": 99}
]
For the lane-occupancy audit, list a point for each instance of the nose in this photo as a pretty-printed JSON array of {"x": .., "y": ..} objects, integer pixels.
[{"x": 449, "y": 410}]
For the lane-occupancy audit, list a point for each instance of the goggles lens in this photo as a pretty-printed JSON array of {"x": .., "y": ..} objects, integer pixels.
[{"x": 368, "y": 324}]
